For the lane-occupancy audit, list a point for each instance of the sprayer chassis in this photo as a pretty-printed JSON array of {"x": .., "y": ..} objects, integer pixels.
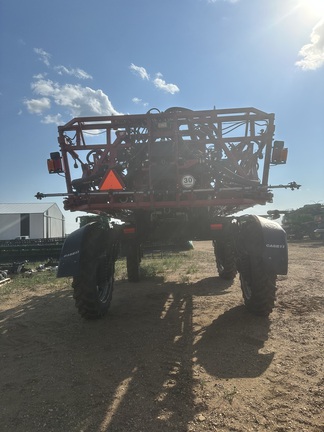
[{"x": 176, "y": 175}]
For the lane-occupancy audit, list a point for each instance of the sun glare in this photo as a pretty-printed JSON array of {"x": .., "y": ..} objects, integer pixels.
[{"x": 313, "y": 7}]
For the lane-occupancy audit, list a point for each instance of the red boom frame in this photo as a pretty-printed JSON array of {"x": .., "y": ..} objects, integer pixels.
[{"x": 224, "y": 155}]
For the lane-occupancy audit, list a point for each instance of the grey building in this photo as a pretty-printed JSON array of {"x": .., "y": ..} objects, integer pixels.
[{"x": 34, "y": 221}]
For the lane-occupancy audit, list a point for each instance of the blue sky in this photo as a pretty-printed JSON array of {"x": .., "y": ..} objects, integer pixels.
[{"x": 69, "y": 58}]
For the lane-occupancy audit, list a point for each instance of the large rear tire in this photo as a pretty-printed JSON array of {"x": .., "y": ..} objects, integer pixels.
[
  {"x": 225, "y": 259},
  {"x": 93, "y": 286},
  {"x": 258, "y": 285}
]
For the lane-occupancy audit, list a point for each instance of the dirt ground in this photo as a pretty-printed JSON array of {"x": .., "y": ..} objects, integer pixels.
[{"x": 179, "y": 355}]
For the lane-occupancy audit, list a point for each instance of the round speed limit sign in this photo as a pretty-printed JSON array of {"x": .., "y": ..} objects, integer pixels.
[{"x": 188, "y": 181}]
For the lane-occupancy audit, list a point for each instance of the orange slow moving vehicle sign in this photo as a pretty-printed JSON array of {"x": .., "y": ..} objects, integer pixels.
[{"x": 111, "y": 182}]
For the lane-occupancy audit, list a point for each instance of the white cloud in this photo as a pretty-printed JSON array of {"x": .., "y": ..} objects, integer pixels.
[
  {"x": 61, "y": 70},
  {"x": 37, "y": 106},
  {"x": 43, "y": 55},
  {"x": 139, "y": 101},
  {"x": 313, "y": 53},
  {"x": 140, "y": 70},
  {"x": 76, "y": 100},
  {"x": 162, "y": 85},
  {"x": 39, "y": 76},
  {"x": 49, "y": 119},
  {"x": 43, "y": 87},
  {"x": 158, "y": 81},
  {"x": 78, "y": 73}
]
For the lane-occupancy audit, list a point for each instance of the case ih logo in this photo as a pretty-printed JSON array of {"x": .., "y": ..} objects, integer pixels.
[{"x": 275, "y": 246}]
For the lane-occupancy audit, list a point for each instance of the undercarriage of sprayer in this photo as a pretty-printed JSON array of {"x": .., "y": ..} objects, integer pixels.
[{"x": 177, "y": 175}]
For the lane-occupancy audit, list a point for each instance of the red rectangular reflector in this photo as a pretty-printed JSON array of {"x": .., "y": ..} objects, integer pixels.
[
  {"x": 216, "y": 227},
  {"x": 129, "y": 230}
]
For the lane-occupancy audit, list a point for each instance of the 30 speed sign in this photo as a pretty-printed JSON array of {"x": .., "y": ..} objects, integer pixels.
[{"x": 188, "y": 181}]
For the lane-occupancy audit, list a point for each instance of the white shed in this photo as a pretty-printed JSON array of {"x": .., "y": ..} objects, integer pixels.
[{"x": 34, "y": 221}]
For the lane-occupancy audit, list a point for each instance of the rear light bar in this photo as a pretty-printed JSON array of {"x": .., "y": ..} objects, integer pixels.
[{"x": 54, "y": 164}]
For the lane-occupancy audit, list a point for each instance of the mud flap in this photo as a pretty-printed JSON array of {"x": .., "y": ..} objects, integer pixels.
[{"x": 267, "y": 238}]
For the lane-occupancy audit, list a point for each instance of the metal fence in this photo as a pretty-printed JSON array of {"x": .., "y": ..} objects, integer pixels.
[{"x": 30, "y": 249}]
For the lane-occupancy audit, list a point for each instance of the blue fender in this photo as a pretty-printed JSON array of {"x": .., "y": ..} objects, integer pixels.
[{"x": 266, "y": 238}]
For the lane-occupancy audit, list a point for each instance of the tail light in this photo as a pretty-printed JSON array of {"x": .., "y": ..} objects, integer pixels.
[
  {"x": 279, "y": 153},
  {"x": 54, "y": 164}
]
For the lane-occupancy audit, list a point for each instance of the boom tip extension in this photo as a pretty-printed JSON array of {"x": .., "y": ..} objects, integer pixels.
[
  {"x": 293, "y": 185},
  {"x": 39, "y": 195}
]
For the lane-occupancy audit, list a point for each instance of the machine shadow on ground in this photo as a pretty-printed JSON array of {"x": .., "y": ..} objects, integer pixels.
[{"x": 69, "y": 374}]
